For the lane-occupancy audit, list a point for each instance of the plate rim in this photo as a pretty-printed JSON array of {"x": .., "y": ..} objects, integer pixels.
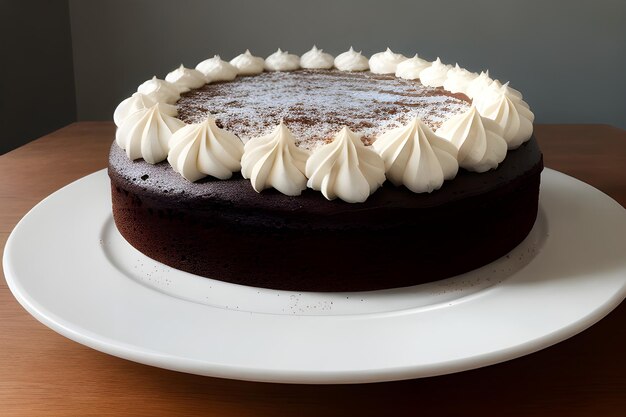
[{"x": 268, "y": 374}]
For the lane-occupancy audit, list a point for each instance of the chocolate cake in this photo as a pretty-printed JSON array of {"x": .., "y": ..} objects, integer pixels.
[{"x": 230, "y": 230}]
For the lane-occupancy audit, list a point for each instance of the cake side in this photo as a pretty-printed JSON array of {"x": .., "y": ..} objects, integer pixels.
[
  {"x": 397, "y": 239},
  {"x": 237, "y": 195}
]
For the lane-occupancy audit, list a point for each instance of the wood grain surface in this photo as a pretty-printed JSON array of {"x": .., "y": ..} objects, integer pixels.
[{"x": 45, "y": 374}]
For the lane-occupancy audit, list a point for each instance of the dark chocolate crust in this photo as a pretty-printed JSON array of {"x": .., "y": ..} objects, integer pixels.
[{"x": 225, "y": 230}]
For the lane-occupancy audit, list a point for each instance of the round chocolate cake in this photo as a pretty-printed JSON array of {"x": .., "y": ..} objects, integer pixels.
[{"x": 406, "y": 231}]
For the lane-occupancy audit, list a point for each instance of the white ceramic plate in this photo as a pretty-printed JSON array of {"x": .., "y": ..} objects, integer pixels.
[{"x": 69, "y": 267}]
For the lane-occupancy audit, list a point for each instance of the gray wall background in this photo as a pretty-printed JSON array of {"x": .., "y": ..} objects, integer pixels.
[{"x": 567, "y": 57}]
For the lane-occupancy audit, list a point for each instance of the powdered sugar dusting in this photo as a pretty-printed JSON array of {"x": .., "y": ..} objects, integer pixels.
[{"x": 316, "y": 104}]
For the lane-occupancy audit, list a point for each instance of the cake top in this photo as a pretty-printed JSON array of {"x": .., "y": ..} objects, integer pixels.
[
  {"x": 316, "y": 104},
  {"x": 308, "y": 122}
]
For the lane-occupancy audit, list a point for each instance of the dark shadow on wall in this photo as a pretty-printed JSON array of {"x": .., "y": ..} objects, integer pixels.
[{"x": 37, "y": 93}]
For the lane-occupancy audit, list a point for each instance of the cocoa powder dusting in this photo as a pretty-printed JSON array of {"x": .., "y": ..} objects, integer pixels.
[{"x": 316, "y": 104}]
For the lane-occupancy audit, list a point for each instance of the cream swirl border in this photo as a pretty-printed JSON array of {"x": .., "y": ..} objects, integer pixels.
[{"x": 488, "y": 93}]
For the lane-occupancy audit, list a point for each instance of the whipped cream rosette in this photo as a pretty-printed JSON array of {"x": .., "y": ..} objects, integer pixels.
[
  {"x": 274, "y": 161},
  {"x": 186, "y": 79},
  {"x": 136, "y": 102},
  {"x": 435, "y": 75},
  {"x": 282, "y": 61},
  {"x": 410, "y": 69},
  {"x": 458, "y": 79},
  {"x": 351, "y": 61},
  {"x": 204, "y": 149},
  {"x": 316, "y": 59},
  {"x": 345, "y": 169},
  {"x": 385, "y": 62},
  {"x": 160, "y": 90},
  {"x": 479, "y": 140},
  {"x": 416, "y": 157},
  {"x": 248, "y": 64},
  {"x": 216, "y": 69},
  {"x": 146, "y": 134}
]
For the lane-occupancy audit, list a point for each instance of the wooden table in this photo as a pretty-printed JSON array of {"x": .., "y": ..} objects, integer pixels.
[{"x": 43, "y": 373}]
